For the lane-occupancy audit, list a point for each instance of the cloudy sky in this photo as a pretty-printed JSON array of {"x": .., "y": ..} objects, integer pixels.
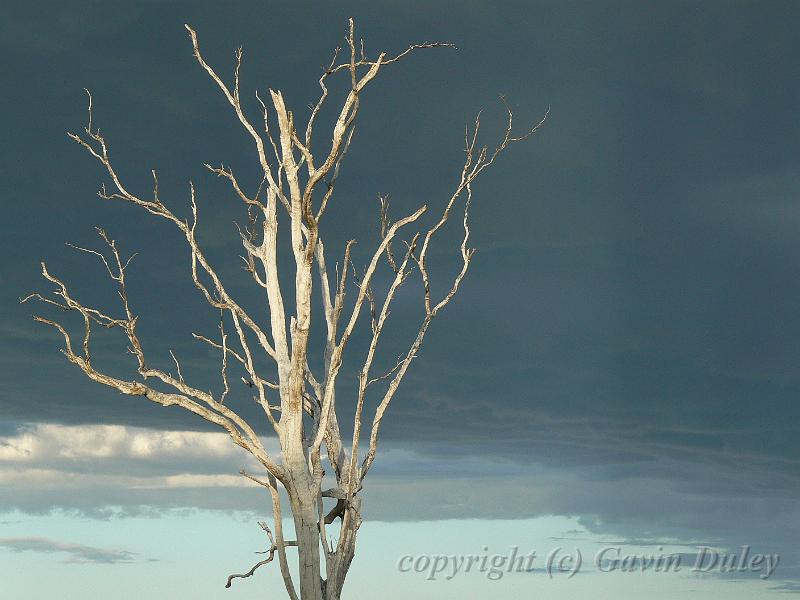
[{"x": 621, "y": 367}]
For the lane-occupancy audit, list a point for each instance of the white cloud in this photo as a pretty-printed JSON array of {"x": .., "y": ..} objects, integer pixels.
[
  {"x": 45, "y": 459},
  {"x": 44, "y": 442}
]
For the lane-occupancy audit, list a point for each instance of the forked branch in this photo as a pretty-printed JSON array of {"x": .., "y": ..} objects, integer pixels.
[{"x": 297, "y": 176}]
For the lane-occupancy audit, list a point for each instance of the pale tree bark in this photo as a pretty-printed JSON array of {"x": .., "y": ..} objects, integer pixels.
[{"x": 299, "y": 179}]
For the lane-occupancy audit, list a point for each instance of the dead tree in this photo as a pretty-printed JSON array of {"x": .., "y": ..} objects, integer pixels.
[{"x": 299, "y": 405}]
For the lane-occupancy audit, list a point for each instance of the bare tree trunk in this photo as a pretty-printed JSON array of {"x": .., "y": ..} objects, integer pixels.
[
  {"x": 346, "y": 549},
  {"x": 304, "y": 491},
  {"x": 306, "y": 525}
]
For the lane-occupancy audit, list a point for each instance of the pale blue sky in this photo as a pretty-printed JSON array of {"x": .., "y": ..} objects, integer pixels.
[{"x": 188, "y": 557}]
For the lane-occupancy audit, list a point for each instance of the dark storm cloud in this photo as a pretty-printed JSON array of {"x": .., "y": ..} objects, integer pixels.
[
  {"x": 59, "y": 27},
  {"x": 633, "y": 311}
]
